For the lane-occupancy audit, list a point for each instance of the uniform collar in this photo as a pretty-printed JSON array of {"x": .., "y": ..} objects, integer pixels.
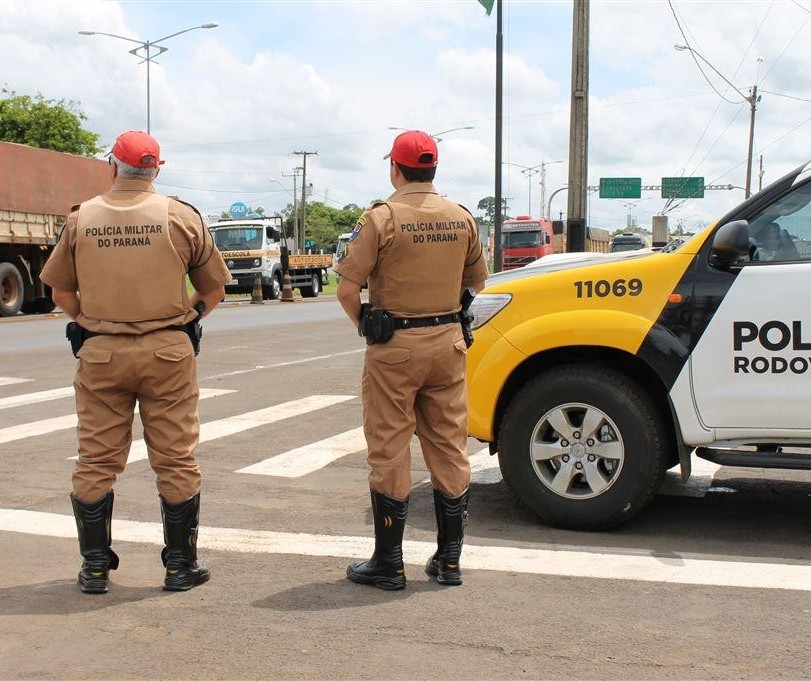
[
  {"x": 130, "y": 185},
  {"x": 414, "y": 188}
]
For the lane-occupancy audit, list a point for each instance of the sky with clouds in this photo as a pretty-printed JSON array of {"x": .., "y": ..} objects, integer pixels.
[{"x": 231, "y": 104}]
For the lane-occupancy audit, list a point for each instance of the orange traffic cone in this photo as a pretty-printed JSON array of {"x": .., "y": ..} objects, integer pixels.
[{"x": 256, "y": 294}]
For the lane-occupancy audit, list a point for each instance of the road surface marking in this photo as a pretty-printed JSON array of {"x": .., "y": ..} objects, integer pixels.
[
  {"x": 260, "y": 367},
  {"x": 10, "y": 380},
  {"x": 33, "y": 398},
  {"x": 52, "y": 425},
  {"x": 570, "y": 561},
  {"x": 232, "y": 425},
  {"x": 307, "y": 459}
]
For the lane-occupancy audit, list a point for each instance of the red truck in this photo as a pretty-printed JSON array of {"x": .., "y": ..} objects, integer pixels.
[
  {"x": 38, "y": 187},
  {"x": 525, "y": 239}
]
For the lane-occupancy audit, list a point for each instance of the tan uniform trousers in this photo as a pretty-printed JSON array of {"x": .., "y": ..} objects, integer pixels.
[
  {"x": 416, "y": 383},
  {"x": 160, "y": 371}
]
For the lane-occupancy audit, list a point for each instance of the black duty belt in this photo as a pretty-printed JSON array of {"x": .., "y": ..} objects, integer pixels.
[
  {"x": 91, "y": 334},
  {"x": 416, "y": 322}
]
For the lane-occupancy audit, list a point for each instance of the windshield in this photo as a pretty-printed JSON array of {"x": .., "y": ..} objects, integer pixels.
[
  {"x": 236, "y": 238},
  {"x": 618, "y": 246},
  {"x": 520, "y": 239}
]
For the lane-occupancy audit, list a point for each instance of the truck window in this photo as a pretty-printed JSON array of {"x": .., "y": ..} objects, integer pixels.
[
  {"x": 520, "y": 239},
  {"x": 235, "y": 238}
]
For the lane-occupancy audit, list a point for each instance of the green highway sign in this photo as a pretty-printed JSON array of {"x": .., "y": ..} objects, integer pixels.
[
  {"x": 682, "y": 187},
  {"x": 620, "y": 187}
]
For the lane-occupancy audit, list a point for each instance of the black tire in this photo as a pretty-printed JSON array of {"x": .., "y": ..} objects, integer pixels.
[
  {"x": 313, "y": 289},
  {"x": 11, "y": 290},
  {"x": 273, "y": 290},
  {"x": 622, "y": 453},
  {"x": 39, "y": 306}
]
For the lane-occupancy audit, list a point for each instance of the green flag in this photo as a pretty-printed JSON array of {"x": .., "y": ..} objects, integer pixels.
[{"x": 488, "y": 5}]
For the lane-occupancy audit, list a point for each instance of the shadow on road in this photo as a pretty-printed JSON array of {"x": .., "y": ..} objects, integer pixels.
[
  {"x": 342, "y": 594},
  {"x": 62, "y": 597}
]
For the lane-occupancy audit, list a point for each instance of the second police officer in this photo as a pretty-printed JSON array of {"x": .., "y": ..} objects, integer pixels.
[{"x": 418, "y": 252}]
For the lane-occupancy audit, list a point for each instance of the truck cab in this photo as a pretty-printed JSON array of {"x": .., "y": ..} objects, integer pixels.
[
  {"x": 524, "y": 240},
  {"x": 252, "y": 247},
  {"x": 628, "y": 242}
]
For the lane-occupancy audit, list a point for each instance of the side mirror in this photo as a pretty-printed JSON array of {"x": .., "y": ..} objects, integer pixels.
[{"x": 730, "y": 244}]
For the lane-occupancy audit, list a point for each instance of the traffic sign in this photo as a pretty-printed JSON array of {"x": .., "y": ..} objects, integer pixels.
[
  {"x": 620, "y": 187},
  {"x": 238, "y": 210},
  {"x": 682, "y": 187}
]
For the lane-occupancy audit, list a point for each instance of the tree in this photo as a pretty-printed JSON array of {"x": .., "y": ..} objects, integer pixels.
[
  {"x": 46, "y": 123},
  {"x": 488, "y": 205},
  {"x": 325, "y": 224}
]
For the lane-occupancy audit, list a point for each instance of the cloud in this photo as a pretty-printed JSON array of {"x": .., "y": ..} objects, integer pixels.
[{"x": 231, "y": 105}]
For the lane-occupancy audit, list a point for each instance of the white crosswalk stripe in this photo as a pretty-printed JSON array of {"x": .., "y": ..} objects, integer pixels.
[
  {"x": 310, "y": 458},
  {"x": 34, "y": 398},
  {"x": 45, "y": 426},
  {"x": 232, "y": 425},
  {"x": 10, "y": 380},
  {"x": 570, "y": 561}
]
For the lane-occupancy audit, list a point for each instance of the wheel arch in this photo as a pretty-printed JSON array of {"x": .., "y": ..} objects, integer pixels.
[{"x": 629, "y": 364}]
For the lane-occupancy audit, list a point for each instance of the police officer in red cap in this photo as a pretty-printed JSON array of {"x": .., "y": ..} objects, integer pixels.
[
  {"x": 418, "y": 251},
  {"x": 119, "y": 270}
]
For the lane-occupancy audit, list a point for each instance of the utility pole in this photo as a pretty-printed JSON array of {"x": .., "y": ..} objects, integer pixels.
[
  {"x": 578, "y": 129},
  {"x": 753, "y": 99},
  {"x": 760, "y": 175},
  {"x": 295, "y": 202},
  {"x": 499, "y": 87},
  {"x": 304, "y": 154}
]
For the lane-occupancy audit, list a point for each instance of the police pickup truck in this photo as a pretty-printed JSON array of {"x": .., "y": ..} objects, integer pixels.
[{"x": 592, "y": 376}]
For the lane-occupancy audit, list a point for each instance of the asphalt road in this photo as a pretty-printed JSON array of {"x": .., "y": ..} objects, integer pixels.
[{"x": 712, "y": 581}]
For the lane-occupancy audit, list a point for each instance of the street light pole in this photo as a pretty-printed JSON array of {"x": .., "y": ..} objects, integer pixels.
[
  {"x": 752, "y": 98},
  {"x": 144, "y": 53},
  {"x": 529, "y": 171}
]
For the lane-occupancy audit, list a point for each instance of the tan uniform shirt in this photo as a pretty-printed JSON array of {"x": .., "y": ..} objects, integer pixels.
[
  {"x": 417, "y": 251},
  {"x": 127, "y": 253}
]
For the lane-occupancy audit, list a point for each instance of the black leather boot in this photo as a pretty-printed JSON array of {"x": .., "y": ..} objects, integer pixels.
[
  {"x": 93, "y": 524},
  {"x": 179, "y": 556},
  {"x": 451, "y": 518},
  {"x": 385, "y": 568}
]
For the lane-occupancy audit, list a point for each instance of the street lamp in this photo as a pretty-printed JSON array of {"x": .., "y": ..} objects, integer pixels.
[
  {"x": 752, "y": 98},
  {"x": 436, "y": 135},
  {"x": 529, "y": 171},
  {"x": 145, "y": 53}
]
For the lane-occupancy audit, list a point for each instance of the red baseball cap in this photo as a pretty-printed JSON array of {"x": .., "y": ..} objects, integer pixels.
[
  {"x": 137, "y": 149},
  {"x": 414, "y": 149}
]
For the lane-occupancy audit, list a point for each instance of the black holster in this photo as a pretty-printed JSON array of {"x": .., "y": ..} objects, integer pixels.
[
  {"x": 77, "y": 335},
  {"x": 194, "y": 329},
  {"x": 377, "y": 326},
  {"x": 466, "y": 316}
]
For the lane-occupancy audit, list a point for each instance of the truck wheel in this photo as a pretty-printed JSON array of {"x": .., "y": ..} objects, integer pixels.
[
  {"x": 313, "y": 290},
  {"x": 11, "y": 290},
  {"x": 39, "y": 306},
  {"x": 272, "y": 290},
  {"x": 583, "y": 447}
]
